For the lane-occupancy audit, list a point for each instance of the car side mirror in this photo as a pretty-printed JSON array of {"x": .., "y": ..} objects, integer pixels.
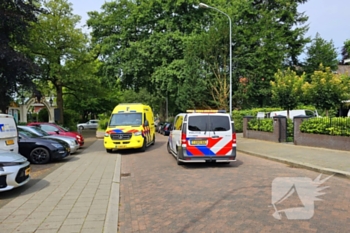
[
  {"x": 146, "y": 123},
  {"x": 57, "y": 131}
]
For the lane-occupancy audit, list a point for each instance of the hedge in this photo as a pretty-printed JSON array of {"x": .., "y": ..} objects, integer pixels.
[
  {"x": 237, "y": 116},
  {"x": 330, "y": 126}
]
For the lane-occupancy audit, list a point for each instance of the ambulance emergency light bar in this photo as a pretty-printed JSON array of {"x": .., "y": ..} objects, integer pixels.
[{"x": 206, "y": 111}]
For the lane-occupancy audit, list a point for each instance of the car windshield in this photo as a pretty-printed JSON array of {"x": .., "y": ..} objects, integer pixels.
[
  {"x": 39, "y": 131},
  {"x": 28, "y": 134},
  {"x": 134, "y": 119}
]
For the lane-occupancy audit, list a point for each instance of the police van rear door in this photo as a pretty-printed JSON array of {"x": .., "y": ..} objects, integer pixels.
[{"x": 220, "y": 134}]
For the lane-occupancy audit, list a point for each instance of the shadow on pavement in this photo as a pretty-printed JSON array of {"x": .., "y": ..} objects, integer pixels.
[
  {"x": 208, "y": 165},
  {"x": 23, "y": 190},
  {"x": 137, "y": 151}
]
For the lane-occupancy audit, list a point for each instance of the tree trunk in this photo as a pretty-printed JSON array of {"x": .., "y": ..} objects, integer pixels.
[
  {"x": 59, "y": 92},
  {"x": 326, "y": 112}
]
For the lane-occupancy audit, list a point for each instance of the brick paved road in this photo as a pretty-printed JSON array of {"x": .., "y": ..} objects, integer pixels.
[{"x": 160, "y": 196}]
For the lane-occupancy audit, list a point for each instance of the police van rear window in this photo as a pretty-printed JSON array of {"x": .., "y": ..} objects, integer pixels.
[{"x": 209, "y": 123}]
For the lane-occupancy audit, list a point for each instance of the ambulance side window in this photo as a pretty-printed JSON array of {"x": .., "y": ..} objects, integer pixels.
[{"x": 144, "y": 116}]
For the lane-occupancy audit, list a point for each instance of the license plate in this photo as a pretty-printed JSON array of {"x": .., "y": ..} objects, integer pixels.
[
  {"x": 121, "y": 146},
  {"x": 9, "y": 142},
  {"x": 27, "y": 171},
  {"x": 199, "y": 142}
]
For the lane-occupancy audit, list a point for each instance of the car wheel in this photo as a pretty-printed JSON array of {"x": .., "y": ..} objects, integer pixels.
[
  {"x": 154, "y": 139},
  {"x": 81, "y": 127},
  {"x": 39, "y": 155},
  {"x": 109, "y": 150}
]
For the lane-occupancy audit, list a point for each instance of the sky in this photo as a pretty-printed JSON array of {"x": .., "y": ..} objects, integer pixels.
[{"x": 329, "y": 18}]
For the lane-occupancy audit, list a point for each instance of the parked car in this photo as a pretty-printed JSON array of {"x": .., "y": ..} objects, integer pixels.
[
  {"x": 14, "y": 170},
  {"x": 91, "y": 124},
  {"x": 159, "y": 127},
  {"x": 73, "y": 143},
  {"x": 165, "y": 130},
  {"x": 54, "y": 129},
  {"x": 40, "y": 150}
]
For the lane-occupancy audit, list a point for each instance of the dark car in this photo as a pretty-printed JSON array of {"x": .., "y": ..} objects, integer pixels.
[
  {"x": 159, "y": 127},
  {"x": 165, "y": 130},
  {"x": 41, "y": 150}
]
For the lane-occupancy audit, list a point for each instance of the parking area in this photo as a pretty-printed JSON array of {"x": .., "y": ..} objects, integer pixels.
[
  {"x": 40, "y": 171},
  {"x": 157, "y": 195}
]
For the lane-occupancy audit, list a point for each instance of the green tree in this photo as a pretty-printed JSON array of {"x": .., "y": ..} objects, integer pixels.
[
  {"x": 345, "y": 51},
  {"x": 287, "y": 89},
  {"x": 327, "y": 89},
  {"x": 16, "y": 68},
  {"x": 320, "y": 52},
  {"x": 62, "y": 51}
]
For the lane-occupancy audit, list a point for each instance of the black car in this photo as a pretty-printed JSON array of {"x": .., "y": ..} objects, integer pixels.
[
  {"x": 165, "y": 130},
  {"x": 41, "y": 150}
]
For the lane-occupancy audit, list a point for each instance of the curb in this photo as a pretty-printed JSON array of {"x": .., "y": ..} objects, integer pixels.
[
  {"x": 111, "y": 222},
  {"x": 100, "y": 134},
  {"x": 294, "y": 164}
]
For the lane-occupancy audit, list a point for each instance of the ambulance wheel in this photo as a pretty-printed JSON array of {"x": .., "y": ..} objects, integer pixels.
[
  {"x": 109, "y": 150},
  {"x": 143, "y": 148}
]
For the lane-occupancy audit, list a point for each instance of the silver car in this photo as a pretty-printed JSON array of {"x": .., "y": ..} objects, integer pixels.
[
  {"x": 14, "y": 170},
  {"x": 73, "y": 144},
  {"x": 91, "y": 124}
]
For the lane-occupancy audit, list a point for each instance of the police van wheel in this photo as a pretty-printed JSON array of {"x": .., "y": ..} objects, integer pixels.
[
  {"x": 178, "y": 161},
  {"x": 168, "y": 148}
]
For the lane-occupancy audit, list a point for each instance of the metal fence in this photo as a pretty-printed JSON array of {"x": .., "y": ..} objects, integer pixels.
[{"x": 339, "y": 126}]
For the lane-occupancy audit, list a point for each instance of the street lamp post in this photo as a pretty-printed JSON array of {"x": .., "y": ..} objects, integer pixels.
[{"x": 202, "y": 5}]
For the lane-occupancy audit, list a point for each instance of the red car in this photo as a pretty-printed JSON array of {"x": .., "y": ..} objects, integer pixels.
[{"x": 54, "y": 129}]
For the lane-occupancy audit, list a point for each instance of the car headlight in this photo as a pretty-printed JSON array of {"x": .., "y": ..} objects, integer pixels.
[
  {"x": 138, "y": 133},
  {"x": 57, "y": 145}
]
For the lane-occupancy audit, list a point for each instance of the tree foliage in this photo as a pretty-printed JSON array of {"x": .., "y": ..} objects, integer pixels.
[
  {"x": 327, "y": 89},
  {"x": 287, "y": 89},
  {"x": 61, "y": 50},
  {"x": 320, "y": 52},
  {"x": 15, "y": 67}
]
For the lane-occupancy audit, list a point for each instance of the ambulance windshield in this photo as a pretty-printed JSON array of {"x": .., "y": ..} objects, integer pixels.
[{"x": 126, "y": 119}]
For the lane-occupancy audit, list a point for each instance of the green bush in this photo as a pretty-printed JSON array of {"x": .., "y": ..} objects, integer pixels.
[
  {"x": 71, "y": 118},
  {"x": 237, "y": 116},
  {"x": 102, "y": 123},
  {"x": 43, "y": 115},
  {"x": 330, "y": 126},
  {"x": 265, "y": 124}
]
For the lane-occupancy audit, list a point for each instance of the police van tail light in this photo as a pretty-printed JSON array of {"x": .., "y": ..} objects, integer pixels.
[
  {"x": 234, "y": 137},
  {"x": 183, "y": 133}
]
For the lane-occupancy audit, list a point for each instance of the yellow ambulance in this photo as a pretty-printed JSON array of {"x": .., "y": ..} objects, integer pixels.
[{"x": 131, "y": 126}]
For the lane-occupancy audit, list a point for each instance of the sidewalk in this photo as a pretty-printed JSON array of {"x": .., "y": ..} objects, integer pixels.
[
  {"x": 317, "y": 159},
  {"x": 74, "y": 198}
]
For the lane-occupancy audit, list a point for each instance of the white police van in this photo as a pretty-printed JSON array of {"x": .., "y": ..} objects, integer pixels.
[
  {"x": 203, "y": 136},
  {"x": 8, "y": 133}
]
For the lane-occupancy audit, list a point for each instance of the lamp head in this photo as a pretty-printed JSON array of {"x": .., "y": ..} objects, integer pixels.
[{"x": 202, "y": 5}]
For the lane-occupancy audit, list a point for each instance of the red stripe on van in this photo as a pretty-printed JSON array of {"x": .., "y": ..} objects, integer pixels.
[{"x": 225, "y": 149}]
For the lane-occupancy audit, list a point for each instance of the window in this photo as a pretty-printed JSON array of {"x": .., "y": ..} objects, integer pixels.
[
  {"x": 209, "y": 123},
  {"x": 219, "y": 123},
  {"x": 178, "y": 123},
  {"x": 198, "y": 123},
  {"x": 48, "y": 128},
  {"x": 309, "y": 113},
  {"x": 40, "y": 131},
  {"x": 123, "y": 119}
]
